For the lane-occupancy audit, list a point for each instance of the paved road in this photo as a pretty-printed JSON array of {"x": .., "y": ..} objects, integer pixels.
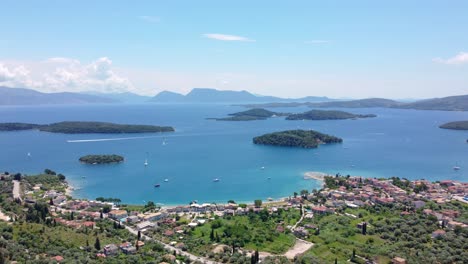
[
  {"x": 171, "y": 248},
  {"x": 16, "y": 190}
]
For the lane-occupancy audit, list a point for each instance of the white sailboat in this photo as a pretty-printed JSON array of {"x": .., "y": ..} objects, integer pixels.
[{"x": 146, "y": 162}]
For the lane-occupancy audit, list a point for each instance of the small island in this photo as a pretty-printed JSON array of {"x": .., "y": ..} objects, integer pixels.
[
  {"x": 17, "y": 126},
  {"x": 326, "y": 115},
  {"x": 101, "y": 159},
  {"x": 249, "y": 115},
  {"x": 82, "y": 127},
  {"x": 457, "y": 125},
  {"x": 296, "y": 138}
]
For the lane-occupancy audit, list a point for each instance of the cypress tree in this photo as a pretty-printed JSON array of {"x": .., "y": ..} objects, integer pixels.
[
  {"x": 139, "y": 235},
  {"x": 97, "y": 244},
  {"x": 212, "y": 237}
]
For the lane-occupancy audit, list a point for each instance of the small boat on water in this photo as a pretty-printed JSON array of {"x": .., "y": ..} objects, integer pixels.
[
  {"x": 166, "y": 180},
  {"x": 157, "y": 185},
  {"x": 29, "y": 154},
  {"x": 146, "y": 162},
  {"x": 456, "y": 168},
  {"x": 263, "y": 167},
  {"x": 269, "y": 178},
  {"x": 216, "y": 180},
  {"x": 270, "y": 199}
]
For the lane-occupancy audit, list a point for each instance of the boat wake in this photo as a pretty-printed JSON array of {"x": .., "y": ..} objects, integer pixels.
[{"x": 107, "y": 139}]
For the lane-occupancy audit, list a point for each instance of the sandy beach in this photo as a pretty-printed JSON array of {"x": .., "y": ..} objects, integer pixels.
[{"x": 69, "y": 190}]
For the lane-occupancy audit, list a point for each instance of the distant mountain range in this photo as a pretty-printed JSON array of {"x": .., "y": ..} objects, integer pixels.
[
  {"x": 20, "y": 96},
  {"x": 126, "y": 97},
  {"x": 209, "y": 95},
  {"x": 451, "y": 103}
]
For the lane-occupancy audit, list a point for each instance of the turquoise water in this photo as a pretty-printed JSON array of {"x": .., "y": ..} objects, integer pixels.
[{"x": 404, "y": 143}]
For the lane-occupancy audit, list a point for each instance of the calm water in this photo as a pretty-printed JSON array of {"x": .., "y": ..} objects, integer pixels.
[{"x": 404, "y": 143}]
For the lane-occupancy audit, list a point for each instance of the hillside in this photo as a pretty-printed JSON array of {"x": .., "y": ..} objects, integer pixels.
[
  {"x": 326, "y": 115},
  {"x": 451, "y": 103},
  {"x": 457, "y": 125},
  {"x": 21, "y": 96},
  {"x": 361, "y": 103},
  {"x": 296, "y": 138}
]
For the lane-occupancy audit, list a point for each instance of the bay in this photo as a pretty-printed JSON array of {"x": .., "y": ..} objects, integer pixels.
[{"x": 404, "y": 143}]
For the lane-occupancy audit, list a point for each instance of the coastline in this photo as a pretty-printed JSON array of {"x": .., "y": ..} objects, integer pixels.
[{"x": 315, "y": 175}]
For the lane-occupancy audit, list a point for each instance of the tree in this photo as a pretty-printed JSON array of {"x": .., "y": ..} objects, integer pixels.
[
  {"x": 17, "y": 177},
  {"x": 354, "y": 254},
  {"x": 364, "y": 228},
  {"x": 258, "y": 203},
  {"x": 51, "y": 202},
  {"x": 231, "y": 202},
  {"x": 101, "y": 215},
  {"x": 72, "y": 216},
  {"x": 257, "y": 256},
  {"x": 139, "y": 235},
  {"x": 61, "y": 177},
  {"x": 304, "y": 193},
  {"x": 106, "y": 209},
  {"x": 49, "y": 172},
  {"x": 295, "y": 194},
  {"x": 97, "y": 244},
  {"x": 212, "y": 236}
]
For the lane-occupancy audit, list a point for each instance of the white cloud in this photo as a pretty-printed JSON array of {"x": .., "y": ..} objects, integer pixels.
[
  {"x": 150, "y": 19},
  {"x": 460, "y": 58},
  {"x": 64, "y": 74},
  {"x": 224, "y": 37},
  {"x": 317, "y": 41}
]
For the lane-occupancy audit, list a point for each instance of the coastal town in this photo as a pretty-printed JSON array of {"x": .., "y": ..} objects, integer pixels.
[{"x": 297, "y": 218}]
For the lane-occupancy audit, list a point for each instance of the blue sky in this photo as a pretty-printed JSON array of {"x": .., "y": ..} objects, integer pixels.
[{"x": 397, "y": 49}]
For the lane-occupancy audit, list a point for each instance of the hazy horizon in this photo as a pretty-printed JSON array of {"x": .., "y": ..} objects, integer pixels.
[{"x": 396, "y": 50}]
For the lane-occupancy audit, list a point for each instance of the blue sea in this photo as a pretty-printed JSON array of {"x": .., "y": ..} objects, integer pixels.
[{"x": 404, "y": 143}]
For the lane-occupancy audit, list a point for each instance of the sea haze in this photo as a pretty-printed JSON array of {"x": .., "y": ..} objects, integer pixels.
[{"x": 404, "y": 143}]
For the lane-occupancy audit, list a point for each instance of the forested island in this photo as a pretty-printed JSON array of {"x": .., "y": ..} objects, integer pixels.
[
  {"x": 101, "y": 159},
  {"x": 251, "y": 114},
  {"x": 326, "y": 115},
  {"x": 457, "y": 125},
  {"x": 296, "y": 138},
  {"x": 82, "y": 127}
]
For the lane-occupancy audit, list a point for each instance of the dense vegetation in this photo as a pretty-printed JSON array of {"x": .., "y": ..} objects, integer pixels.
[
  {"x": 17, "y": 126},
  {"x": 77, "y": 127},
  {"x": 34, "y": 236},
  {"x": 326, "y": 115},
  {"x": 296, "y": 138},
  {"x": 252, "y": 114},
  {"x": 457, "y": 125},
  {"x": 101, "y": 159}
]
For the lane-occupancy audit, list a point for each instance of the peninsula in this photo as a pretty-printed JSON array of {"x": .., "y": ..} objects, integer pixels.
[
  {"x": 101, "y": 159},
  {"x": 326, "y": 115},
  {"x": 296, "y": 138},
  {"x": 457, "y": 125},
  {"x": 251, "y": 114},
  {"x": 81, "y": 127}
]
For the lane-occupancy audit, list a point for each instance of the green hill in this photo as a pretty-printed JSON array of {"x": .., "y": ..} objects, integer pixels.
[
  {"x": 296, "y": 138},
  {"x": 326, "y": 115}
]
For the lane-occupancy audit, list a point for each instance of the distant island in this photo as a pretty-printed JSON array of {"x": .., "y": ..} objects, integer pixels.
[
  {"x": 457, "y": 125},
  {"x": 296, "y": 138},
  {"x": 249, "y": 115},
  {"x": 101, "y": 159},
  {"x": 450, "y": 103},
  {"x": 81, "y": 127},
  {"x": 326, "y": 115}
]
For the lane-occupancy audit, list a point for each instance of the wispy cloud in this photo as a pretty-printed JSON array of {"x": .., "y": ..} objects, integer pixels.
[
  {"x": 317, "y": 41},
  {"x": 225, "y": 37},
  {"x": 150, "y": 19},
  {"x": 460, "y": 58}
]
